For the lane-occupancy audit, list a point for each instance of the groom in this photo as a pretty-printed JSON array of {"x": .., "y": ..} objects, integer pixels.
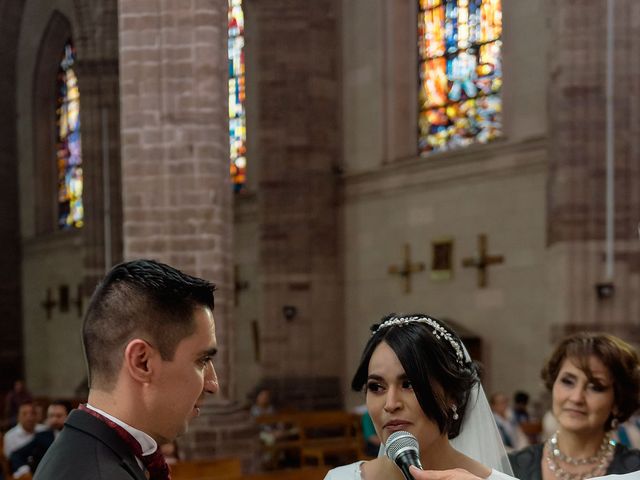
[{"x": 149, "y": 340}]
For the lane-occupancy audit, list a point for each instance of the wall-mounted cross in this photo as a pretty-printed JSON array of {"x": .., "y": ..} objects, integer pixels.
[
  {"x": 49, "y": 304},
  {"x": 482, "y": 261},
  {"x": 407, "y": 269}
]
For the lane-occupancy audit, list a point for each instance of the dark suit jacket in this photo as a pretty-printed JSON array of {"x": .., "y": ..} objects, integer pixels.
[
  {"x": 88, "y": 449},
  {"x": 526, "y": 463},
  {"x": 31, "y": 453}
]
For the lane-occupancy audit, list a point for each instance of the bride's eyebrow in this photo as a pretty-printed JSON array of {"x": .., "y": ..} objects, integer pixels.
[{"x": 373, "y": 376}]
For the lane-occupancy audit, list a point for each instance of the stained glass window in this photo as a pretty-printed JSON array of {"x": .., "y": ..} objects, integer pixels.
[
  {"x": 460, "y": 49},
  {"x": 68, "y": 149},
  {"x": 237, "y": 115}
]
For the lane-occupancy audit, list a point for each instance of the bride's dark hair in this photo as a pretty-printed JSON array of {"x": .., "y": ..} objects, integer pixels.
[{"x": 440, "y": 378}]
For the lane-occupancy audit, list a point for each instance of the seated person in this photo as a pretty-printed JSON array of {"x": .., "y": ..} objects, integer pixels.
[
  {"x": 512, "y": 435},
  {"x": 26, "y": 458},
  {"x": 262, "y": 404},
  {"x": 371, "y": 439},
  {"x": 24, "y": 431},
  {"x": 170, "y": 452}
]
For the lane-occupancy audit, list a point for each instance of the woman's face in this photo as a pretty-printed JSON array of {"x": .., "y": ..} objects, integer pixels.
[
  {"x": 580, "y": 405},
  {"x": 391, "y": 401}
]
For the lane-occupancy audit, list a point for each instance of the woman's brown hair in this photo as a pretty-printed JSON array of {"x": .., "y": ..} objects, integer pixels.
[{"x": 618, "y": 356}]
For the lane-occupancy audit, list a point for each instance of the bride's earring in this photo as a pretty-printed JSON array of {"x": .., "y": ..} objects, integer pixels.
[{"x": 455, "y": 415}]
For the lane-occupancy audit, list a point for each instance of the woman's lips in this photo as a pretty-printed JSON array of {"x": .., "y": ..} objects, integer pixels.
[
  {"x": 396, "y": 425},
  {"x": 571, "y": 411}
]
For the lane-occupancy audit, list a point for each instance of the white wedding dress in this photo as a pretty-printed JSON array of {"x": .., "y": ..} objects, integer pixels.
[{"x": 352, "y": 472}]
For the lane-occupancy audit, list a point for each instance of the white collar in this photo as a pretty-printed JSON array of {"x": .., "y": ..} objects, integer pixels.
[{"x": 147, "y": 443}]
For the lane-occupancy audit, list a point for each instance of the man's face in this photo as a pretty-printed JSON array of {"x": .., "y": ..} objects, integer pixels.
[
  {"x": 27, "y": 417},
  {"x": 180, "y": 383},
  {"x": 56, "y": 416}
]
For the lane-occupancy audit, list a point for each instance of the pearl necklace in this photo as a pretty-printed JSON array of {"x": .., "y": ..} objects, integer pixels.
[{"x": 602, "y": 459}]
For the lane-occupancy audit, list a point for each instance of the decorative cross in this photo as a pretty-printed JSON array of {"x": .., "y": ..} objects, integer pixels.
[
  {"x": 482, "y": 261},
  {"x": 49, "y": 304},
  {"x": 407, "y": 268},
  {"x": 239, "y": 285}
]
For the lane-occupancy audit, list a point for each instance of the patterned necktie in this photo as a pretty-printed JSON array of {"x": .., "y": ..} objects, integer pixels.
[{"x": 155, "y": 463}]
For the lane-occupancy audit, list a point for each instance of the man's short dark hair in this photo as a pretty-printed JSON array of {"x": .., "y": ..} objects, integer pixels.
[{"x": 144, "y": 299}]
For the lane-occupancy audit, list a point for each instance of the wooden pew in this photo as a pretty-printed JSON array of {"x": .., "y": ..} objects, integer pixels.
[
  {"x": 315, "y": 435},
  {"x": 220, "y": 469},
  {"x": 307, "y": 473}
]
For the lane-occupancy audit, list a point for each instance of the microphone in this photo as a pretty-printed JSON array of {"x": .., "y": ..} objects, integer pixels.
[{"x": 403, "y": 449}]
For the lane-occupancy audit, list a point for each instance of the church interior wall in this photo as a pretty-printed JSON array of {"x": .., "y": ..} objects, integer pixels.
[
  {"x": 246, "y": 366},
  {"x": 11, "y": 352},
  {"x": 362, "y": 46},
  {"x": 50, "y": 260},
  {"x": 392, "y": 196},
  {"x": 53, "y": 349},
  {"x": 35, "y": 20},
  {"x": 511, "y": 314}
]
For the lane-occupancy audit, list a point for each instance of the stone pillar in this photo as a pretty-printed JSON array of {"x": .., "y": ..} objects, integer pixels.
[
  {"x": 11, "y": 349},
  {"x": 298, "y": 59},
  {"x": 577, "y": 119},
  {"x": 97, "y": 46},
  {"x": 176, "y": 191}
]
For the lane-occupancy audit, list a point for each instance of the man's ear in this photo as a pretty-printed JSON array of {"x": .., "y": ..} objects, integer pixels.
[{"x": 138, "y": 356}]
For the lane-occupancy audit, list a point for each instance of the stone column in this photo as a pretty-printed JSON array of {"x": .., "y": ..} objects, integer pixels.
[
  {"x": 298, "y": 59},
  {"x": 176, "y": 191},
  {"x": 576, "y": 196},
  {"x": 11, "y": 345}
]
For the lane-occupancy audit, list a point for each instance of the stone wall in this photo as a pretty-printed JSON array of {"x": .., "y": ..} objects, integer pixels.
[
  {"x": 297, "y": 56},
  {"x": 176, "y": 191},
  {"x": 11, "y": 353},
  {"x": 577, "y": 181}
]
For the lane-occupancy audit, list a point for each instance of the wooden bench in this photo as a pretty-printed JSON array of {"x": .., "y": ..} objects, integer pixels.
[
  {"x": 315, "y": 435},
  {"x": 219, "y": 469},
  {"x": 307, "y": 473},
  {"x": 532, "y": 430}
]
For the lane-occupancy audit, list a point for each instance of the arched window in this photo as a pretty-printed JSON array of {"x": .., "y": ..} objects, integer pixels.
[
  {"x": 68, "y": 146},
  {"x": 237, "y": 112},
  {"x": 460, "y": 50}
]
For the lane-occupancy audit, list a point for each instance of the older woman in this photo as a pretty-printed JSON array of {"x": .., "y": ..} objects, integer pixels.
[{"x": 594, "y": 379}]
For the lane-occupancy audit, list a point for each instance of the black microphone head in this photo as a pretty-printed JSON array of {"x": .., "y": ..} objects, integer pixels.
[{"x": 400, "y": 442}]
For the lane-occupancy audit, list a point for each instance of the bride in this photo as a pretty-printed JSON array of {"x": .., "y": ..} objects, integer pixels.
[{"x": 419, "y": 378}]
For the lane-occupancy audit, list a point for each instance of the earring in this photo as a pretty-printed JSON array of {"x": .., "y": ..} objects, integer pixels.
[
  {"x": 455, "y": 415},
  {"x": 614, "y": 423}
]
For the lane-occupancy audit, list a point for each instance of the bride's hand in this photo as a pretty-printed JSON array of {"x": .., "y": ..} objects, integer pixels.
[{"x": 454, "y": 474}]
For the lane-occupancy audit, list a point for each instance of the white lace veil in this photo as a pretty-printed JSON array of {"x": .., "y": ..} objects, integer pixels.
[{"x": 479, "y": 437}]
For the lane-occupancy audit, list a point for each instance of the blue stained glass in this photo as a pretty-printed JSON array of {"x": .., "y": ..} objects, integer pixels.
[
  {"x": 460, "y": 73},
  {"x": 237, "y": 114},
  {"x": 69, "y": 144}
]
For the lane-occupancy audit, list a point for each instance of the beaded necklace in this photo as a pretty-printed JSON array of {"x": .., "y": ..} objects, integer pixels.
[{"x": 601, "y": 459}]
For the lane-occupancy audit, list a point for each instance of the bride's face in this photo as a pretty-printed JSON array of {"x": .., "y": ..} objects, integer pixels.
[{"x": 392, "y": 402}]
